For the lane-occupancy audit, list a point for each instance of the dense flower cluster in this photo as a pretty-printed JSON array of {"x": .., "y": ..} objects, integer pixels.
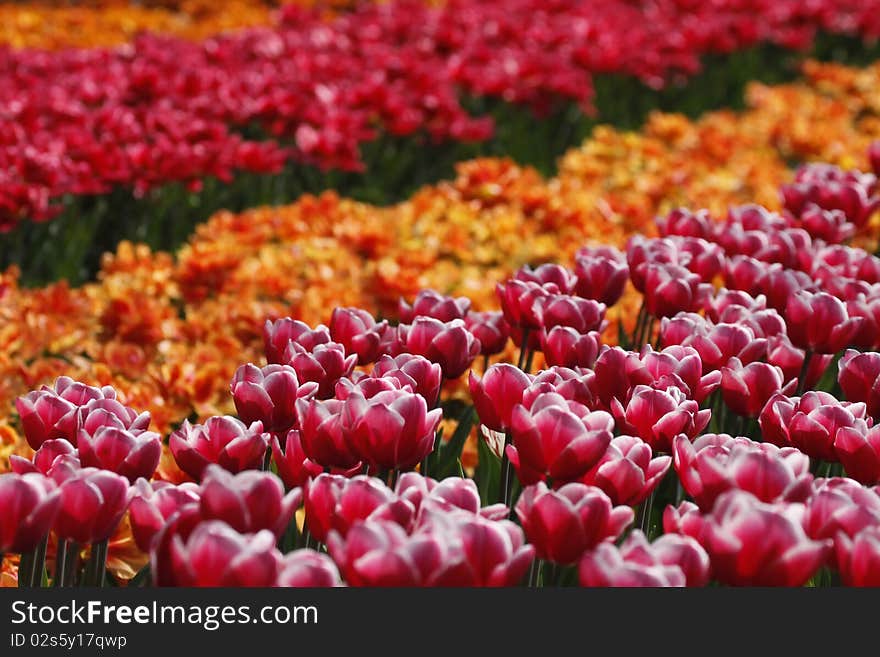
[{"x": 164, "y": 109}]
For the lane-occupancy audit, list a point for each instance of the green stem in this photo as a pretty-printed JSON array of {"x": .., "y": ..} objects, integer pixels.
[
  {"x": 71, "y": 564},
  {"x": 505, "y": 479},
  {"x": 805, "y": 368},
  {"x": 60, "y": 561},
  {"x": 523, "y": 350},
  {"x": 25, "y": 569},
  {"x": 39, "y": 563},
  {"x": 645, "y": 519}
]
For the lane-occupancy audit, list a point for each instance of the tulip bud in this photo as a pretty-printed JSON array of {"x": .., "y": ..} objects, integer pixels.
[
  {"x": 819, "y": 322},
  {"x": 30, "y": 503},
  {"x": 601, "y": 277},
  {"x": 521, "y": 303}
]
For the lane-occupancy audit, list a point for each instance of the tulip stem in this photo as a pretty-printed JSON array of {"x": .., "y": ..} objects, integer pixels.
[
  {"x": 505, "y": 479},
  {"x": 392, "y": 478},
  {"x": 267, "y": 460},
  {"x": 60, "y": 561},
  {"x": 645, "y": 520},
  {"x": 71, "y": 564},
  {"x": 25, "y": 569},
  {"x": 529, "y": 358},
  {"x": 523, "y": 350},
  {"x": 485, "y": 363},
  {"x": 39, "y": 563},
  {"x": 533, "y": 573},
  {"x": 639, "y": 327},
  {"x": 805, "y": 368}
]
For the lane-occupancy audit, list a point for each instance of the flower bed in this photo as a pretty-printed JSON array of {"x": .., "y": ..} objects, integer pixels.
[{"x": 87, "y": 129}]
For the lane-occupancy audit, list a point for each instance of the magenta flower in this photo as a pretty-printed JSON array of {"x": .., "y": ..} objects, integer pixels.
[
  {"x": 658, "y": 416},
  {"x": 30, "y": 503},
  {"x": 602, "y": 277},
  {"x": 490, "y": 328},
  {"x": 430, "y": 303},
  {"x": 746, "y": 389},
  {"x": 224, "y": 440},
  {"x": 359, "y": 332},
  {"x": 292, "y": 464},
  {"x": 92, "y": 504},
  {"x": 269, "y": 395},
  {"x": 126, "y": 453},
  {"x": 324, "y": 364},
  {"x": 153, "y": 504},
  {"x": 497, "y": 393},
  {"x": 565, "y": 347},
  {"x": 277, "y": 336},
  {"x": 308, "y": 569},
  {"x": 562, "y": 524},
  {"x": 819, "y": 322},
  {"x": 859, "y": 378},
  {"x": 423, "y": 376},
  {"x": 627, "y": 473},
  {"x": 324, "y": 435},
  {"x": 448, "y": 344}
]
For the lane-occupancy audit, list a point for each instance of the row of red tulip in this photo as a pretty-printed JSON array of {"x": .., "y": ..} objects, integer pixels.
[{"x": 164, "y": 109}]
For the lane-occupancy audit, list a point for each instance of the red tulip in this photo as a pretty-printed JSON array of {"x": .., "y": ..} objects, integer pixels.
[
  {"x": 448, "y": 344},
  {"x": 269, "y": 395},
  {"x": 214, "y": 554},
  {"x": 676, "y": 366},
  {"x": 819, "y": 322},
  {"x": 323, "y": 433},
  {"x": 44, "y": 458},
  {"x": 583, "y": 315},
  {"x": 451, "y": 494},
  {"x": 859, "y": 378},
  {"x": 642, "y": 251},
  {"x": 670, "y": 289},
  {"x": 722, "y": 342},
  {"x": 563, "y": 524},
  {"x": 858, "y": 449},
  {"x": 607, "y": 566},
  {"x": 657, "y": 416},
  {"x": 558, "y": 275},
  {"x": 108, "y": 412},
  {"x": 746, "y": 389},
  {"x": 602, "y": 278},
  {"x": 858, "y": 558},
  {"x": 423, "y": 376},
  {"x": 780, "y": 285},
  {"x": 307, "y": 568},
  {"x": 575, "y": 385},
  {"x": 333, "y": 502},
  {"x": 838, "y": 506},
  {"x": 92, "y": 504},
  {"x": 359, "y": 332},
  {"x": 830, "y": 226},
  {"x": 30, "y": 503},
  {"x": 126, "y": 453},
  {"x": 733, "y": 304},
  {"x": 46, "y": 414},
  {"x": 490, "y": 328},
  {"x": 566, "y": 347},
  {"x": 430, "y": 303},
  {"x": 153, "y": 504},
  {"x": 393, "y": 429},
  {"x": 557, "y": 439},
  {"x": 684, "y": 222},
  {"x": 811, "y": 422},
  {"x": 626, "y": 472},
  {"x": 495, "y": 395},
  {"x": 716, "y": 463},
  {"x": 783, "y": 354},
  {"x": 223, "y": 440},
  {"x": 522, "y": 303},
  {"x": 248, "y": 501},
  {"x": 324, "y": 364},
  {"x": 277, "y": 336},
  {"x": 292, "y": 464},
  {"x": 751, "y": 543}
]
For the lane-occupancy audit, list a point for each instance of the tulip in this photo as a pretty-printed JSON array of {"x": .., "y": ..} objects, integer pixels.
[
  {"x": 859, "y": 452},
  {"x": 601, "y": 278},
  {"x": 735, "y": 303},
  {"x": 676, "y": 366},
  {"x": 565, "y": 347},
  {"x": 108, "y": 412},
  {"x": 449, "y": 344},
  {"x": 714, "y": 464},
  {"x": 684, "y": 222},
  {"x": 558, "y": 275},
  {"x": 393, "y": 429},
  {"x": 46, "y": 415},
  {"x": 324, "y": 434},
  {"x": 359, "y": 332},
  {"x": 858, "y": 558},
  {"x": 334, "y": 502},
  {"x": 153, "y": 504},
  {"x": 324, "y": 364},
  {"x": 705, "y": 259},
  {"x": 751, "y": 543},
  {"x": 269, "y": 395},
  {"x": 811, "y": 422},
  {"x": 249, "y": 501},
  {"x": 747, "y": 274},
  {"x": 607, "y": 566},
  {"x": 819, "y": 322},
  {"x": 670, "y": 289},
  {"x": 840, "y": 505},
  {"x": 626, "y": 472},
  {"x": 30, "y": 503},
  {"x": 669, "y": 550},
  {"x": 292, "y": 464},
  {"x": 746, "y": 389},
  {"x": 215, "y": 555},
  {"x": 642, "y": 251},
  {"x": 451, "y": 494},
  {"x": 423, "y": 376},
  {"x": 575, "y": 385},
  {"x": 497, "y": 393},
  {"x": 430, "y": 303},
  {"x": 859, "y": 378},
  {"x": 44, "y": 458},
  {"x": 490, "y": 328},
  {"x": 583, "y": 315},
  {"x": 657, "y": 416},
  {"x": 129, "y": 454},
  {"x": 223, "y": 440},
  {"x": 563, "y": 524},
  {"x": 92, "y": 504},
  {"x": 521, "y": 303},
  {"x": 616, "y": 373},
  {"x": 557, "y": 439},
  {"x": 874, "y": 157},
  {"x": 780, "y": 285},
  {"x": 307, "y": 568},
  {"x": 722, "y": 342},
  {"x": 277, "y": 336},
  {"x": 783, "y": 354},
  {"x": 830, "y": 226}
]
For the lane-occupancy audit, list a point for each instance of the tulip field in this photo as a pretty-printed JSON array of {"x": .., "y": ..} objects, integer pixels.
[{"x": 447, "y": 293}]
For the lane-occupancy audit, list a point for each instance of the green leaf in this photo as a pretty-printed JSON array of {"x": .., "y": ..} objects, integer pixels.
[
  {"x": 450, "y": 452},
  {"x": 488, "y": 474}
]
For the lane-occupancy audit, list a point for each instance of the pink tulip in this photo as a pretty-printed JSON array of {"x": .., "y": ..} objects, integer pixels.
[
  {"x": 292, "y": 464},
  {"x": 324, "y": 364},
  {"x": 277, "y": 335},
  {"x": 602, "y": 278},
  {"x": 563, "y": 524},
  {"x": 566, "y": 347},
  {"x": 423, "y": 376},
  {"x": 126, "y": 453},
  {"x": 607, "y": 566},
  {"x": 44, "y": 458},
  {"x": 491, "y": 329},
  {"x": 430, "y": 303},
  {"x": 92, "y": 504},
  {"x": 583, "y": 315},
  {"x": 626, "y": 472},
  {"x": 307, "y": 569},
  {"x": 819, "y": 322},
  {"x": 858, "y": 558},
  {"x": 269, "y": 395},
  {"x": 153, "y": 504},
  {"x": 746, "y": 389},
  {"x": 522, "y": 303},
  {"x": 30, "y": 503},
  {"x": 558, "y": 275},
  {"x": 448, "y": 344},
  {"x": 324, "y": 434},
  {"x": 223, "y": 440},
  {"x": 859, "y": 378},
  {"x": 495, "y": 395},
  {"x": 657, "y": 416},
  {"x": 359, "y": 332}
]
